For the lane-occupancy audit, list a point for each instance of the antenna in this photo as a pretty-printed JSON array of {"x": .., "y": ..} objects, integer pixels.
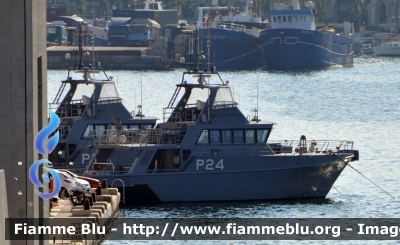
[
  {"x": 208, "y": 53},
  {"x": 255, "y": 118},
  {"x": 93, "y": 33},
  {"x": 93, "y": 54},
  {"x": 140, "y": 111},
  {"x": 257, "y": 103},
  {"x": 93, "y": 49}
]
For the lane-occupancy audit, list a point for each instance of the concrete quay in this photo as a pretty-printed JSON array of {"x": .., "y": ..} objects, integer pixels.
[
  {"x": 98, "y": 218},
  {"x": 112, "y": 58}
]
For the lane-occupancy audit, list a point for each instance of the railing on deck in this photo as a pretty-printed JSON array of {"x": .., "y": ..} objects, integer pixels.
[
  {"x": 158, "y": 136},
  {"x": 309, "y": 146},
  {"x": 224, "y": 25},
  {"x": 231, "y": 27},
  {"x": 141, "y": 137}
]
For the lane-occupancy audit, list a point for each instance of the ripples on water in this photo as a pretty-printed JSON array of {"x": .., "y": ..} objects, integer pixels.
[{"x": 361, "y": 103}]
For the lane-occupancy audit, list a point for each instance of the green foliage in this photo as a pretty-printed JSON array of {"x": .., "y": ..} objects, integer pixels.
[
  {"x": 188, "y": 7},
  {"x": 81, "y": 8},
  {"x": 320, "y": 7},
  {"x": 258, "y": 4},
  {"x": 358, "y": 7}
]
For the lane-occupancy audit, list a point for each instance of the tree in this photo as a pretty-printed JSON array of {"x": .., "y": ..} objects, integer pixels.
[
  {"x": 81, "y": 8},
  {"x": 358, "y": 8},
  {"x": 320, "y": 5},
  {"x": 188, "y": 7}
]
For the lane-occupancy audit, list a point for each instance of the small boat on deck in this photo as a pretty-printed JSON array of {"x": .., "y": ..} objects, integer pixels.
[{"x": 207, "y": 150}]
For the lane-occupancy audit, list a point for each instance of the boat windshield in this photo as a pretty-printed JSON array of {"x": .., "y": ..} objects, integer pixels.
[
  {"x": 82, "y": 91},
  {"x": 109, "y": 93},
  {"x": 224, "y": 97},
  {"x": 198, "y": 94}
]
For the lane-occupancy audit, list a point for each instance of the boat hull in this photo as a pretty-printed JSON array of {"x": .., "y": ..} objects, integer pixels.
[
  {"x": 231, "y": 50},
  {"x": 296, "y": 48},
  {"x": 282, "y": 177},
  {"x": 387, "y": 49}
]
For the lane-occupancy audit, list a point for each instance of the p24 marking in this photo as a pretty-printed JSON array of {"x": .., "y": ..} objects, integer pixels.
[{"x": 208, "y": 164}]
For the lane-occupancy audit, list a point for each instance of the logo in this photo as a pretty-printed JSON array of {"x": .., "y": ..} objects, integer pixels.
[{"x": 45, "y": 148}]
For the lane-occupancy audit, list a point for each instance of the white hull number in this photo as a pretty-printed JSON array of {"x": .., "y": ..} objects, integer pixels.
[{"x": 208, "y": 164}]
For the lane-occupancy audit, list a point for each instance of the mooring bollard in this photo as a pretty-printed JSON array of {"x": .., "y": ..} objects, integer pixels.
[
  {"x": 94, "y": 197},
  {"x": 86, "y": 205},
  {"x": 90, "y": 198},
  {"x": 98, "y": 190},
  {"x": 104, "y": 184}
]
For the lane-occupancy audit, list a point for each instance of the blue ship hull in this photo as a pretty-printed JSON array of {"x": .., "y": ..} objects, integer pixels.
[
  {"x": 296, "y": 48},
  {"x": 231, "y": 50}
]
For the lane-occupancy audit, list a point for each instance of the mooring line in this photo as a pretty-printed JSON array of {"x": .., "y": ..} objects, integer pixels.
[
  {"x": 337, "y": 190},
  {"x": 363, "y": 175},
  {"x": 370, "y": 180}
]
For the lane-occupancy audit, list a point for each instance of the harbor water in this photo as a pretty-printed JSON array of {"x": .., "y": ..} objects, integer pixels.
[{"x": 360, "y": 103}]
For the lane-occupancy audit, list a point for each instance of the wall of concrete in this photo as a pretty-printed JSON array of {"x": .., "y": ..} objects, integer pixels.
[
  {"x": 23, "y": 101},
  {"x": 114, "y": 58},
  {"x": 3, "y": 207}
]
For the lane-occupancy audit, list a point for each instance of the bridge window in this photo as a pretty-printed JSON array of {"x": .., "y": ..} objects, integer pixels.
[
  {"x": 284, "y": 18},
  {"x": 238, "y": 136},
  {"x": 295, "y": 18},
  {"x": 274, "y": 19},
  {"x": 88, "y": 132},
  {"x": 290, "y": 19},
  {"x": 305, "y": 18},
  {"x": 215, "y": 136},
  {"x": 100, "y": 131},
  {"x": 262, "y": 135},
  {"x": 279, "y": 19},
  {"x": 203, "y": 139},
  {"x": 300, "y": 18},
  {"x": 250, "y": 136},
  {"x": 226, "y": 136}
]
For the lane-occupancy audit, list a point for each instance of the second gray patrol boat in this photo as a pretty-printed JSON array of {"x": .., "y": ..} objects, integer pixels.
[{"x": 88, "y": 101}]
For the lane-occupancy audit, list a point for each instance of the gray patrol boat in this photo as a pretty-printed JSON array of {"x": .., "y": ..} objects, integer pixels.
[
  {"x": 88, "y": 102},
  {"x": 207, "y": 150}
]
